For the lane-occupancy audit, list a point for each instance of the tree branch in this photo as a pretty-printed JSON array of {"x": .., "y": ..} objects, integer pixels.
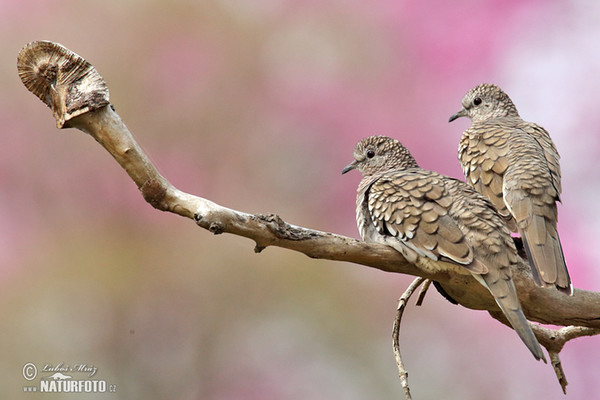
[
  {"x": 79, "y": 98},
  {"x": 402, "y": 302},
  {"x": 554, "y": 340}
]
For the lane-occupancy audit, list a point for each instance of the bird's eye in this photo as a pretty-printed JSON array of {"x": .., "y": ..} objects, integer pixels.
[
  {"x": 371, "y": 153},
  {"x": 477, "y": 101}
]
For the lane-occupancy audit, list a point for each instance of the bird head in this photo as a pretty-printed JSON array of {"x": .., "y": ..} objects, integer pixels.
[
  {"x": 485, "y": 102},
  {"x": 377, "y": 154}
]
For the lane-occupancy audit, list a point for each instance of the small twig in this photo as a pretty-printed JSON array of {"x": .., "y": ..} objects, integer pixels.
[
  {"x": 423, "y": 292},
  {"x": 560, "y": 374},
  {"x": 396, "y": 334},
  {"x": 554, "y": 340}
]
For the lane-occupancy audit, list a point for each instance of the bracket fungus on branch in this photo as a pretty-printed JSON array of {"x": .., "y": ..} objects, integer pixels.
[
  {"x": 66, "y": 82},
  {"x": 79, "y": 98}
]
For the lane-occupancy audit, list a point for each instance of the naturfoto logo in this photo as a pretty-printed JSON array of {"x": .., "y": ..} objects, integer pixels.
[{"x": 65, "y": 378}]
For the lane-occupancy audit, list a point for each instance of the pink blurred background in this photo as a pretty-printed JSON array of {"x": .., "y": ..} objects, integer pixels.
[{"x": 257, "y": 105}]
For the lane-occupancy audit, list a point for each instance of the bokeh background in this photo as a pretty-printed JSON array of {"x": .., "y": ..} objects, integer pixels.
[{"x": 257, "y": 105}]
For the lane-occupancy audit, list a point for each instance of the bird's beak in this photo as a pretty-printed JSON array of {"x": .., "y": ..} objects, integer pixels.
[
  {"x": 350, "y": 167},
  {"x": 461, "y": 113}
]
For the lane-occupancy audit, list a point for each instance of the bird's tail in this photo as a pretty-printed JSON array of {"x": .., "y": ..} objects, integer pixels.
[
  {"x": 505, "y": 294},
  {"x": 542, "y": 244}
]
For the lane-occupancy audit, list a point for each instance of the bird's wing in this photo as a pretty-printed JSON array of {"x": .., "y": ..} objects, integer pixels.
[
  {"x": 531, "y": 187},
  {"x": 483, "y": 154},
  {"x": 550, "y": 152},
  {"x": 414, "y": 207}
]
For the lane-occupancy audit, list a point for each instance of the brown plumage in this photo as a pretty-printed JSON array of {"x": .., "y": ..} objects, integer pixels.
[
  {"x": 436, "y": 222},
  {"x": 515, "y": 164}
]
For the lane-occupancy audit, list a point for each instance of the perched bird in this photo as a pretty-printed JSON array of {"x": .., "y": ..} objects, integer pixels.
[
  {"x": 436, "y": 222},
  {"x": 515, "y": 164}
]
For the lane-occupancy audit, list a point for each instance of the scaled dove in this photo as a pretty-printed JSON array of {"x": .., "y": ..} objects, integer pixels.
[
  {"x": 436, "y": 222},
  {"x": 515, "y": 164}
]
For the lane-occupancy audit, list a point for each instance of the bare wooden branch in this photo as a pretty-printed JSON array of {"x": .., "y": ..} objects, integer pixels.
[
  {"x": 555, "y": 339},
  {"x": 78, "y": 98},
  {"x": 558, "y": 370},
  {"x": 402, "y": 302},
  {"x": 423, "y": 292}
]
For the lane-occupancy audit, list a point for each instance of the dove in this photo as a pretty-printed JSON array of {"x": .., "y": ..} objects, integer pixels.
[
  {"x": 515, "y": 164},
  {"x": 438, "y": 223}
]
